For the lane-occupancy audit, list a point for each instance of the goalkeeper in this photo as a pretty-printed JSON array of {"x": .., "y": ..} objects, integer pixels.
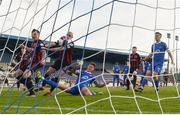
[{"x": 81, "y": 83}]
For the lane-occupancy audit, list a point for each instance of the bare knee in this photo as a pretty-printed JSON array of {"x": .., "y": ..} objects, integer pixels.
[
  {"x": 85, "y": 91},
  {"x": 148, "y": 74},
  {"x": 155, "y": 76},
  {"x": 62, "y": 86},
  {"x": 18, "y": 73}
]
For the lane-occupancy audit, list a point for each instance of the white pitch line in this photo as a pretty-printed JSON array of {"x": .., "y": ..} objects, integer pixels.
[{"x": 89, "y": 110}]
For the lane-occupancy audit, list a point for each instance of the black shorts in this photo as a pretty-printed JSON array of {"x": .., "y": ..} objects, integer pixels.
[
  {"x": 132, "y": 70},
  {"x": 57, "y": 64},
  {"x": 23, "y": 67},
  {"x": 165, "y": 79}
]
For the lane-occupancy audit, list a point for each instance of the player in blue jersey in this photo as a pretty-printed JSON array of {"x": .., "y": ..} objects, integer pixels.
[
  {"x": 116, "y": 70},
  {"x": 81, "y": 83},
  {"x": 157, "y": 55}
]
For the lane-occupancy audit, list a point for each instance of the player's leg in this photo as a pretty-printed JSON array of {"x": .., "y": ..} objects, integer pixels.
[
  {"x": 114, "y": 80},
  {"x": 64, "y": 69},
  {"x": 127, "y": 83},
  {"x": 49, "y": 72},
  {"x": 18, "y": 85},
  {"x": 38, "y": 77},
  {"x": 117, "y": 80},
  {"x": 132, "y": 71},
  {"x": 142, "y": 77},
  {"x": 157, "y": 72},
  {"x": 134, "y": 81},
  {"x": 166, "y": 80},
  {"x": 27, "y": 81},
  {"x": 156, "y": 80},
  {"x": 53, "y": 68},
  {"x": 85, "y": 91},
  {"x": 18, "y": 74},
  {"x": 145, "y": 79},
  {"x": 55, "y": 80},
  {"x": 62, "y": 86},
  {"x": 128, "y": 79}
]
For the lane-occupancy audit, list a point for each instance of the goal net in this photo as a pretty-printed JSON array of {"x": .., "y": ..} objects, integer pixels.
[{"x": 105, "y": 32}]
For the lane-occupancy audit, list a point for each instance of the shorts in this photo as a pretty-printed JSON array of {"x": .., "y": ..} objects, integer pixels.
[
  {"x": 75, "y": 90},
  {"x": 157, "y": 68},
  {"x": 116, "y": 76},
  {"x": 23, "y": 66},
  {"x": 132, "y": 70},
  {"x": 125, "y": 76}
]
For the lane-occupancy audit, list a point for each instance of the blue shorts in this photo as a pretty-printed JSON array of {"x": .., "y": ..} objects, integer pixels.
[
  {"x": 116, "y": 76},
  {"x": 75, "y": 90},
  {"x": 157, "y": 68},
  {"x": 125, "y": 76}
]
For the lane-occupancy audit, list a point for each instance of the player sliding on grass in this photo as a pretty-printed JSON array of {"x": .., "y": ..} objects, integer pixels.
[
  {"x": 157, "y": 54},
  {"x": 81, "y": 83}
]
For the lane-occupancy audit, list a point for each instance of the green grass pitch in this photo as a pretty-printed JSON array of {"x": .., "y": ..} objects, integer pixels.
[{"x": 122, "y": 100}]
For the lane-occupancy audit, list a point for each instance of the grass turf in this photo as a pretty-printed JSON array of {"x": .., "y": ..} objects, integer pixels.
[{"x": 13, "y": 101}]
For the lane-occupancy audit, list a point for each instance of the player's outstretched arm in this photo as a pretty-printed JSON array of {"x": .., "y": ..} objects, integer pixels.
[
  {"x": 148, "y": 57},
  {"x": 170, "y": 55},
  {"x": 26, "y": 48},
  {"x": 50, "y": 45},
  {"x": 55, "y": 49}
]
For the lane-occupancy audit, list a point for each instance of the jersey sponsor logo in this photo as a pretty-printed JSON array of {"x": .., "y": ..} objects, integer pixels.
[
  {"x": 157, "y": 50},
  {"x": 85, "y": 77}
]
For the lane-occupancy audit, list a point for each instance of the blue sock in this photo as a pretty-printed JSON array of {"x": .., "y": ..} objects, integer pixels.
[
  {"x": 51, "y": 83},
  {"x": 157, "y": 83},
  {"x": 114, "y": 80},
  {"x": 144, "y": 82},
  {"x": 141, "y": 81}
]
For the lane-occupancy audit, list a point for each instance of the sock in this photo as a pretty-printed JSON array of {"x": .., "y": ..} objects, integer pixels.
[
  {"x": 141, "y": 81},
  {"x": 114, "y": 80},
  {"x": 157, "y": 83},
  {"x": 51, "y": 83},
  {"x": 144, "y": 81},
  {"x": 45, "y": 77}
]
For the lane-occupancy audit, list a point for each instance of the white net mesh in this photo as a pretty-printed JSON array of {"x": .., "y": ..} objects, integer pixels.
[{"x": 110, "y": 25}]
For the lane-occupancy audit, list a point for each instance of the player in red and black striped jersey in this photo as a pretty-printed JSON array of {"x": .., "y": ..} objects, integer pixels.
[
  {"x": 135, "y": 61},
  {"x": 65, "y": 48},
  {"x": 37, "y": 55}
]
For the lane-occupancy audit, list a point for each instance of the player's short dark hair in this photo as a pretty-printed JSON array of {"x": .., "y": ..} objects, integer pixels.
[
  {"x": 134, "y": 47},
  {"x": 92, "y": 63},
  {"x": 158, "y": 33},
  {"x": 35, "y": 30}
]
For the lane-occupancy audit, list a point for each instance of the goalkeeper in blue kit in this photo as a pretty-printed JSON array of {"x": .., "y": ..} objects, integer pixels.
[{"x": 81, "y": 83}]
